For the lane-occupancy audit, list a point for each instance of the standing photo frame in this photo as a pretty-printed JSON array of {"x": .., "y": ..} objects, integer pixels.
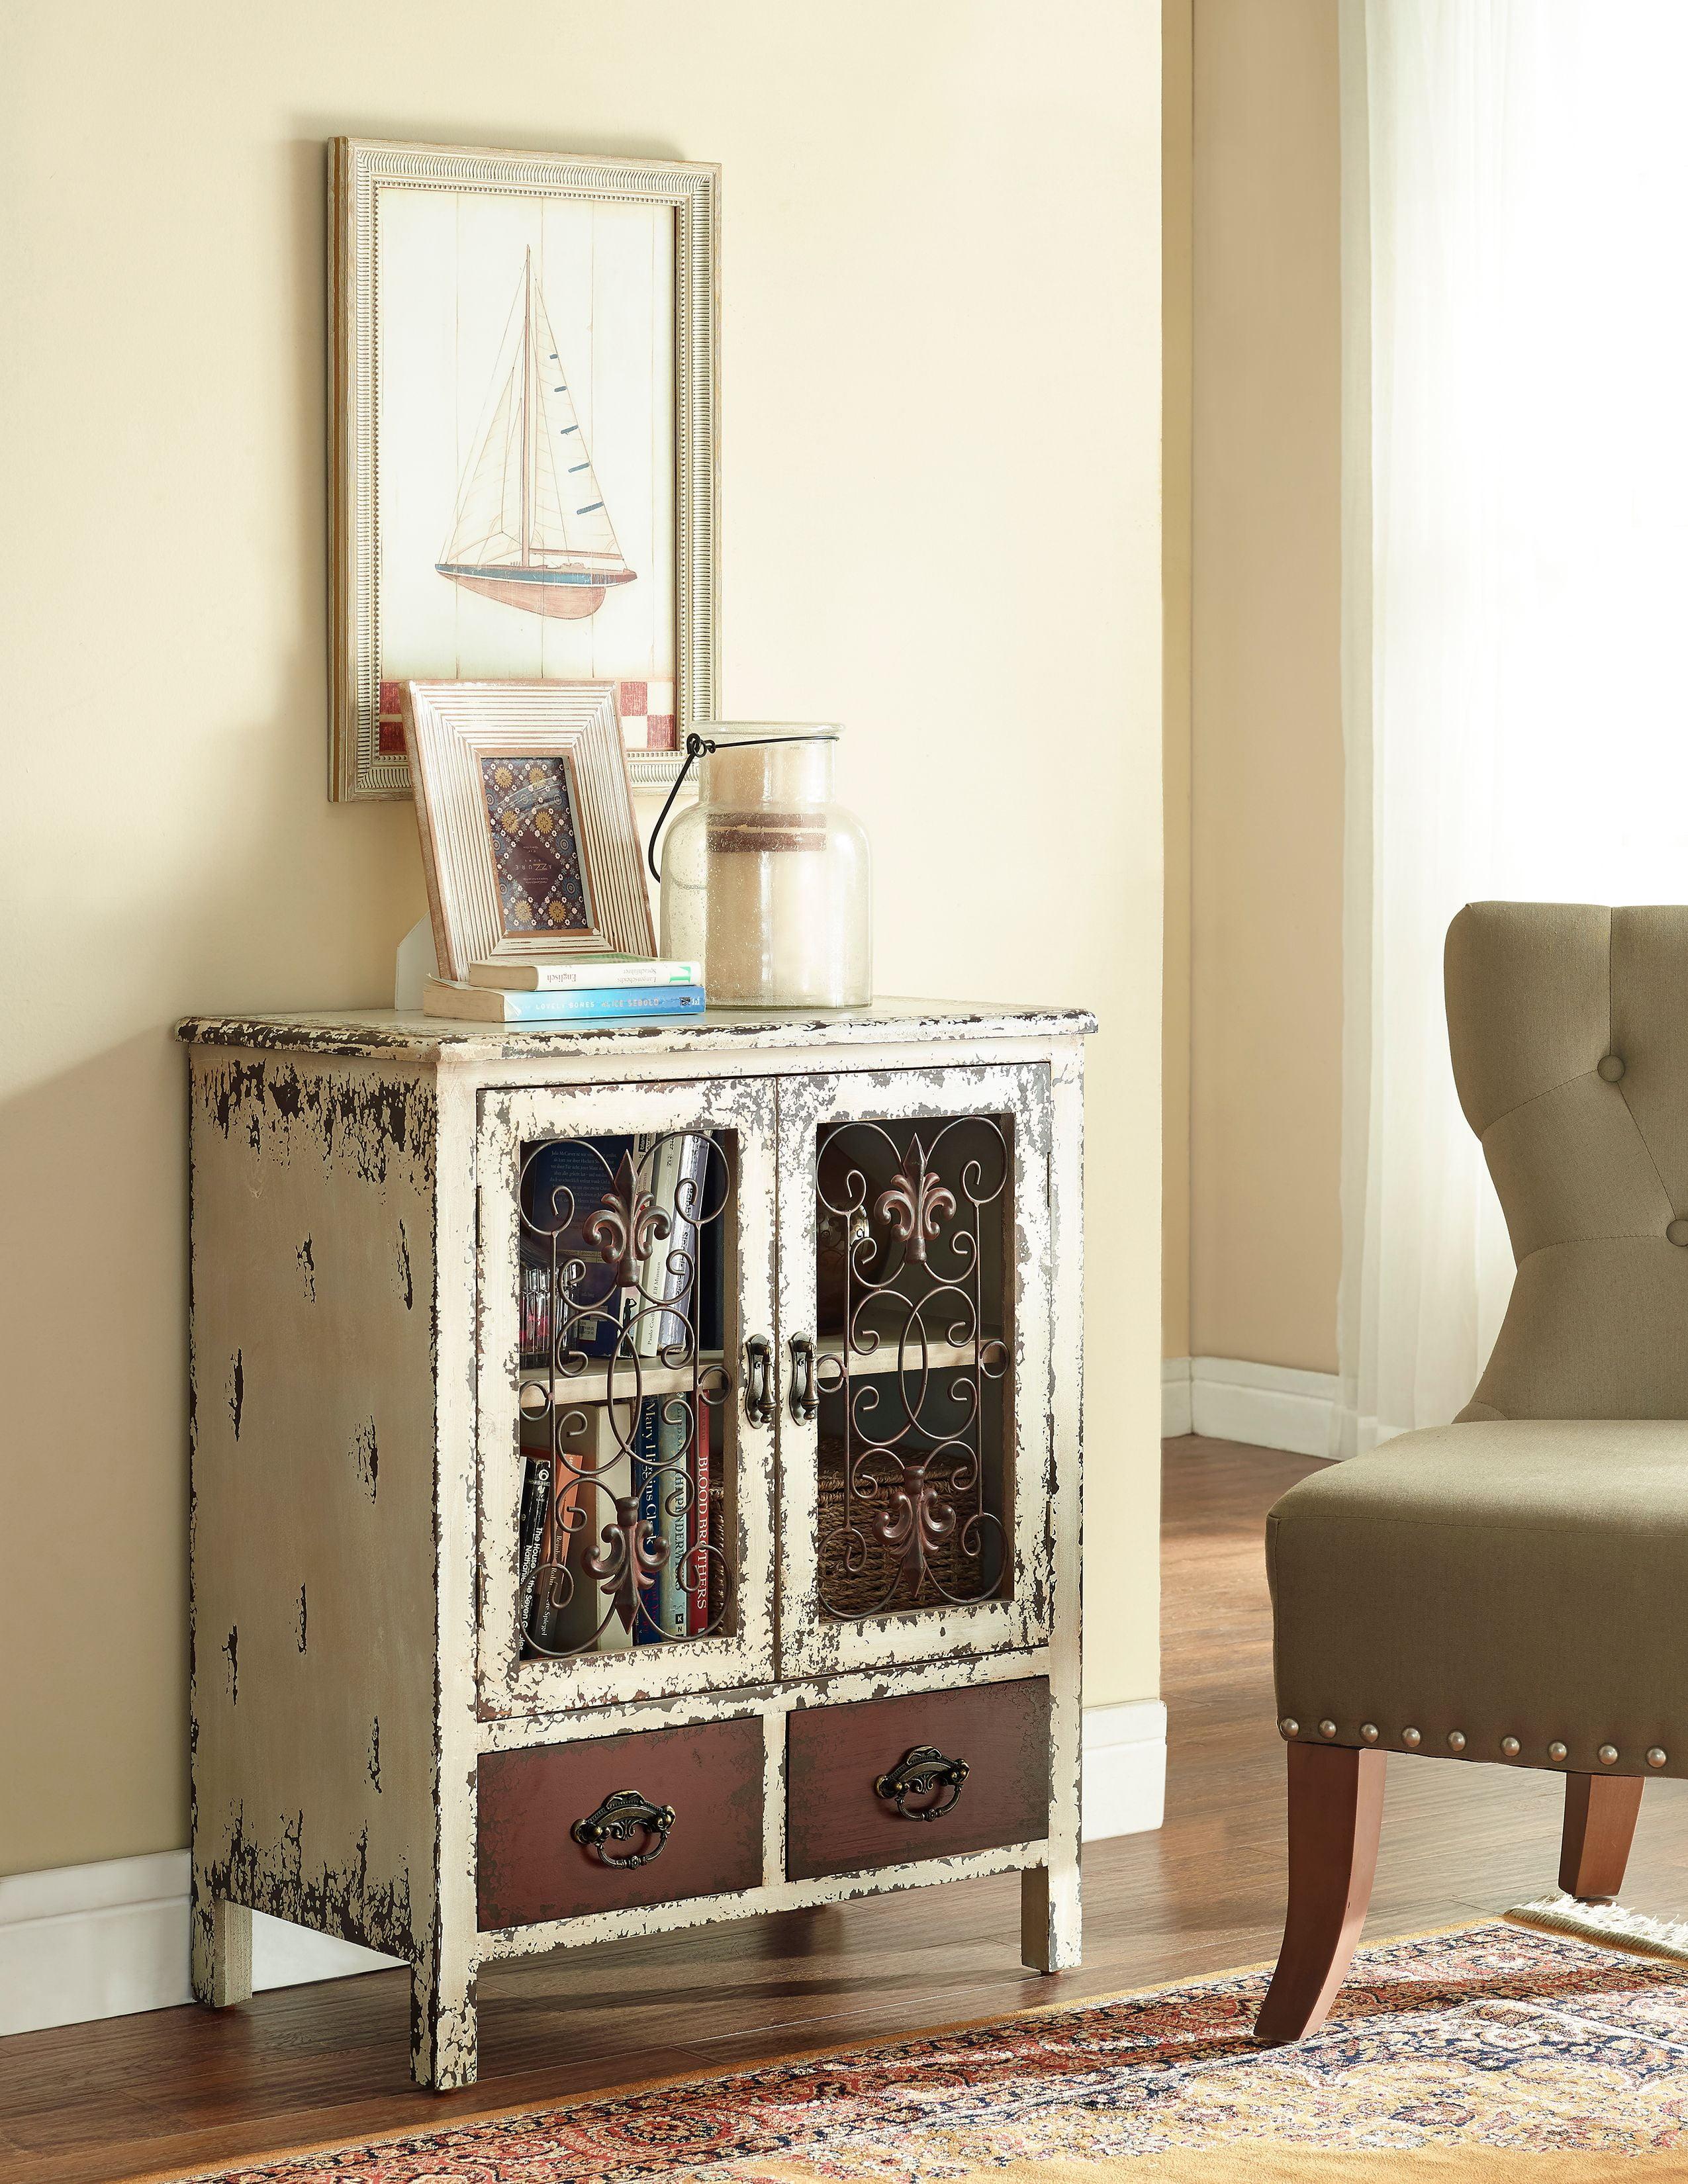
[
  {"x": 529, "y": 845},
  {"x": 524, "y": 442}
]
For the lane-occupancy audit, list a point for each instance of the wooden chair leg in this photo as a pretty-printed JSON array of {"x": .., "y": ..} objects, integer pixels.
[
  {"x": 1336, "y": 1805},
  {"x": 1600, "y": 1825}
]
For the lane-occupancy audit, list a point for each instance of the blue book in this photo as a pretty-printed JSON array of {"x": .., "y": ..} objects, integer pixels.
[
  {"x": 451, "y": 997},
  {"x": 563, "y": 1181}
]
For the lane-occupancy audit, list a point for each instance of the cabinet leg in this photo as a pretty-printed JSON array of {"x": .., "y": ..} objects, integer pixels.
[
  {"x": 1049, "y": 1917},
  {"x": 443, "y": 2027},
  {"x": 220, "y": 1970}
]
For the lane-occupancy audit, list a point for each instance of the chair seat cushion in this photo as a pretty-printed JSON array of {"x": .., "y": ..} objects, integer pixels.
[{"x": 1520, "y": 1580}]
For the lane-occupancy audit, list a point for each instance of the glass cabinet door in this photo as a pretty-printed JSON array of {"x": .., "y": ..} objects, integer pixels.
[
  {"x": 914, "y": 1326},
  {"x": 626, "y": 1401}
]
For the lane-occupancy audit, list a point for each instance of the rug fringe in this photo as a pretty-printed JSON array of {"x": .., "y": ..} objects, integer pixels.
[{"x": 1608, "y": 1924}]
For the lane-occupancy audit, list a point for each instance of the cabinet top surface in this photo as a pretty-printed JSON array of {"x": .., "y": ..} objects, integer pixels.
[{"x": 884, "y": 1022}]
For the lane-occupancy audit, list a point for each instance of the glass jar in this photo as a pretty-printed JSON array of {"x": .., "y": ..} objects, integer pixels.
[{"x": 766, "y": 879}]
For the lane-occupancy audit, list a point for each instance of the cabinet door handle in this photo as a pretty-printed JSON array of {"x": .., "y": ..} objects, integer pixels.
[
  {"x": 804, "y": 1403},
  {"x": 759, "y": 1381},
  {"x": 623, "y": 1817},
  {"x": 918, "y": 1774}
]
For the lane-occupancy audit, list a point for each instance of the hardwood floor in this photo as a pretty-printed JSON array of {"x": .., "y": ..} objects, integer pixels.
[{"x": 185, "y": 2088}]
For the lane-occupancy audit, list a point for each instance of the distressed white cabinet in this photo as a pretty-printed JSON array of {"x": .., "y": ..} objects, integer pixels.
[{"x": 635, "y": 1477}]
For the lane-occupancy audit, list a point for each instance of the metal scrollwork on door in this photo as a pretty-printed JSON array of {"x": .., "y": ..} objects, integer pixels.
[
  {"x": 914, "y": 1290},
  {"x": 616, "y": 1542}
]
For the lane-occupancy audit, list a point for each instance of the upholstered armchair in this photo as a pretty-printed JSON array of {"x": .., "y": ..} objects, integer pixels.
[{"x": 1511, "y": 1589}]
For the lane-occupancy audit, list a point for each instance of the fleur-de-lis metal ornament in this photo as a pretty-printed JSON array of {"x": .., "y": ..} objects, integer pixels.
[
  {"x": 914, "y": 1203},
  {"x": 626, "y": 1225},
  {"x": 918, "y": 1516},
  {"x": 628, "y": 1563}
]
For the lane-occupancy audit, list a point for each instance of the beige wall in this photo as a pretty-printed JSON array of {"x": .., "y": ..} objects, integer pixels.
[
  {"x": 941, "y": 386},
  {"x": 1178, "y": 116},
  {"x": 1266, "y": 760}
]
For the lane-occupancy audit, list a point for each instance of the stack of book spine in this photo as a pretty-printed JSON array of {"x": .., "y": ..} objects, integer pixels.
[
  {"x": 657, "y": 1450},
  {"x": 672, "y": 1441},
  {"x": 570, "y": 990}
]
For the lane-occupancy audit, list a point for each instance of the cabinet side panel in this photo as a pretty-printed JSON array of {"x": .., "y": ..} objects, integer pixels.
[{"x": 315, "y": 1775}]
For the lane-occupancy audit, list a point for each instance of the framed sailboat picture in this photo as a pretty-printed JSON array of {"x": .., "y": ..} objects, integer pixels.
[{"x": 523, "y": 447}]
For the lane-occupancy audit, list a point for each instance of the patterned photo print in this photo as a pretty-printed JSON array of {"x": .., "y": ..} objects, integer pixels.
[{"x": 536, "y": 845}]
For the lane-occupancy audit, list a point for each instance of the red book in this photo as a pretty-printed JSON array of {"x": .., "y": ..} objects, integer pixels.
[{"x": 697, "y": 1526}]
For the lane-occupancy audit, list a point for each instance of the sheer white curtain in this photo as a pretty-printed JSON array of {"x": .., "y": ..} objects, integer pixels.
[{"x": 1516, "y": 677}]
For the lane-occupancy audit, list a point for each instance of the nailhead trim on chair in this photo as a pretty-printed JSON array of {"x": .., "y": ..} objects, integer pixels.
[{"x": 1412, "y": 1739}]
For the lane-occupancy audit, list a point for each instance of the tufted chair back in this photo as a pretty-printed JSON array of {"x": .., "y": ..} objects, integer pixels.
[{"x": 1568, "y": 1025}]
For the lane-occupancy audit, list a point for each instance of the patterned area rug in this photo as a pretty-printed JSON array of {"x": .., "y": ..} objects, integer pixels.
[{"x": 1450, "y": 2056}]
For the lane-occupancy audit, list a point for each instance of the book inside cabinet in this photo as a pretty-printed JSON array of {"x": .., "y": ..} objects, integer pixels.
[
  {"x": 626, "y": 1424},
  {"x": 627, "y": 1235}
]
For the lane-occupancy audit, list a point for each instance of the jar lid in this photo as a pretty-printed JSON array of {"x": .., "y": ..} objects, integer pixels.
[{"x": 729, "y": 735}]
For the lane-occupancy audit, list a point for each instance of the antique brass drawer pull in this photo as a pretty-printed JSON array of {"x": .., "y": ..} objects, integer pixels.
[
  {"x": 623, "y": 1815},
  {"x": 917, "y": 1775}
]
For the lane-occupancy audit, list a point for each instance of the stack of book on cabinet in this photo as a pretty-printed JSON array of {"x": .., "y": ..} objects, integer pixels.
[{"x": 570, "y": 990}]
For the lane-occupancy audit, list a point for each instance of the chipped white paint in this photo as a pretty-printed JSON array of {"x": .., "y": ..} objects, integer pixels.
[
  {"x": 516, "y": 1735},
  {"x": 311, "y": 1504},
  {"x": 1049, "y": 1925},
  {"x": 443, "y": 2020},
  {"x": 351, "y": 1381},
  {"x": 889, "y": 1021}
]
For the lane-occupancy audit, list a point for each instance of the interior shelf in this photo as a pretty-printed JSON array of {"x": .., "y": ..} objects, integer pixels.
[{"x": 655, "y": 1379}]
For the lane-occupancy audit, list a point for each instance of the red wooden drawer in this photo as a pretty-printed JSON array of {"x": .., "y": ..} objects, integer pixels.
[
  {"x": 839, "y": 1821},
  {"x": 529, "y": 1867}
]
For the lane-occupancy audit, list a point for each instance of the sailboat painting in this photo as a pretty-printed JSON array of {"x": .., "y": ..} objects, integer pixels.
[
  {"x": 524, "y": 439},
  {"x": 526, "y": 487},
  {"x": 531, "y": 528}
]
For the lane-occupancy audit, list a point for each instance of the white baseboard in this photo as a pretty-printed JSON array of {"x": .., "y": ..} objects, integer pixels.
[
  {"x": 1125, "y": 1768},
  {"x": 1272, "y": 1405},
  {"x": 1175, "y": 1398},
  {"x": 83, "y": 1941}
]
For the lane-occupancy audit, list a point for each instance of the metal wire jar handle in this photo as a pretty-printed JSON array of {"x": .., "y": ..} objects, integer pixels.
[{"x": 698, "y": 747}]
